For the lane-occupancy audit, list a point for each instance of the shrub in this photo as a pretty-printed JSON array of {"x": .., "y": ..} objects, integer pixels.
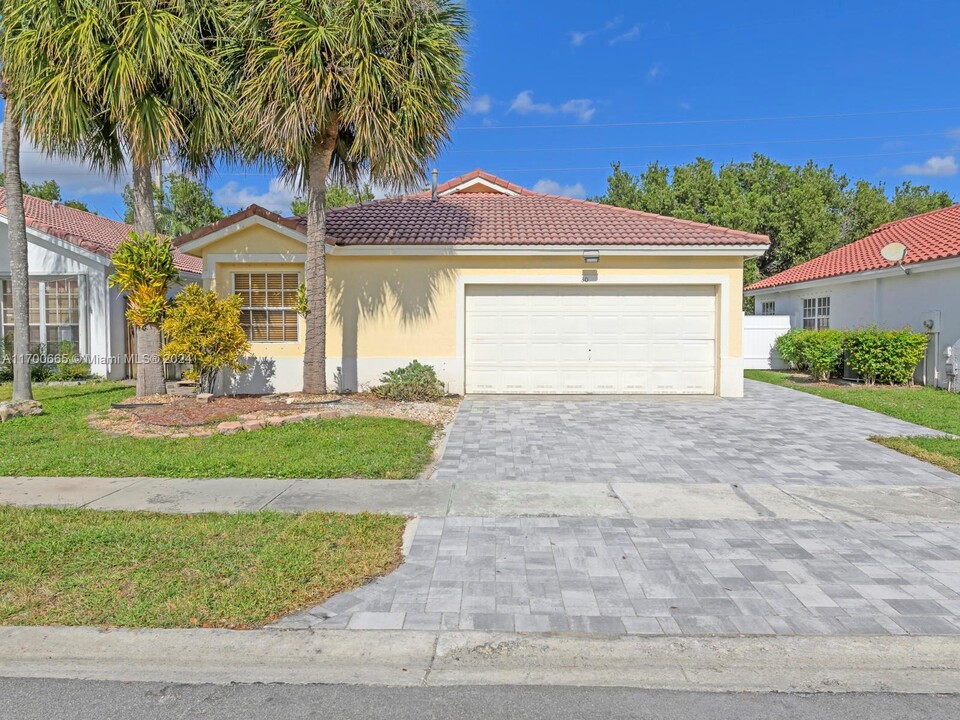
[
  {"x": 69, "y": 365},
  {"x": 790, "y": 348},
  {"x": 416, "y": 381},
  {"x": 887, "y": 356},
  {"x": 6, "y": 358},
  {"x": 823, "y": 353},
  {"x": 204, "y": 329}
]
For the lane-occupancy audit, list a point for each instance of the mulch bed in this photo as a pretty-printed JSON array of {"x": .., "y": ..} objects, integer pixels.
[
  {"x": 187, "y": 412},
  {"x": 179, "y": 416}
]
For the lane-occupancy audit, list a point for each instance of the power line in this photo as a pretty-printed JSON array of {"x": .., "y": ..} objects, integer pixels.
[
  {"x": 455, "y": 173},
  {"x": 681, "y": 146},
  {"x": 716, "y": 121}
]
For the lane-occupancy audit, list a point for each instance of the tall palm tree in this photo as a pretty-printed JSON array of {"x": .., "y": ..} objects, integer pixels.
[
  {"x": 14, "y": 69},
  {"x": 17, "y": 241},
  {"x": 131, "y": 81},
  {"x": 329, "y": 87}
]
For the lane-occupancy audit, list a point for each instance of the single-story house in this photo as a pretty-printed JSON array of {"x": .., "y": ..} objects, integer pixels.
[
  {"x": 854, "y": 286},
  {"x": 69, "y": 263},
  {"x": 501, "y": 289}
]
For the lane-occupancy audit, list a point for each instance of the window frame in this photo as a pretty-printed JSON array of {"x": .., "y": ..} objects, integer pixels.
[
  {"x": 42, "y": 324},
  {"x": 267, "y": 308},
  {"x": 764, "y": 304},
  {"x": 819, "y": 307}
]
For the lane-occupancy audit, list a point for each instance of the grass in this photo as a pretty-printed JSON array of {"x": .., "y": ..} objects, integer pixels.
[
  {"x": 123, "y": 569},
  {"x": 925, "y": 406},
  {"x": 61, "y": 443}
]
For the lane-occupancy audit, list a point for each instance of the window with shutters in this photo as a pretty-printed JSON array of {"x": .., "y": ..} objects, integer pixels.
[{"x": 269, "y": 311}]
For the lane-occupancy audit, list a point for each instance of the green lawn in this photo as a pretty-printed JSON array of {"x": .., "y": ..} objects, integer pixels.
[
  {"x": 61, "y": 443},
  {"x": 86, "y": 567},
  {"x": 925, "y": 406}
]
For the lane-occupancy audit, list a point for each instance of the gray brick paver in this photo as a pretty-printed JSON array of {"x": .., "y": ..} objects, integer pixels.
[
  {"x": 664, "y": 588},
  {"x": 755, "y": 439}
]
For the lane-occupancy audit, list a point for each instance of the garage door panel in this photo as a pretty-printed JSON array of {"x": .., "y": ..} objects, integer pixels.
[{"x": 608, "y": 339}]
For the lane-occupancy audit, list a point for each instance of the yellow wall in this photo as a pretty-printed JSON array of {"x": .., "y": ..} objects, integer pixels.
[{"x": 406, "y": 306}]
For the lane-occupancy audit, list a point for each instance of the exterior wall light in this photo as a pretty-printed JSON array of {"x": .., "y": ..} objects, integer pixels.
[{"x": 591, "y": 256}]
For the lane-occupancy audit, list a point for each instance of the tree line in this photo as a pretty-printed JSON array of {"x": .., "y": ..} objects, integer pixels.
[{"x": 806, "y": 210}]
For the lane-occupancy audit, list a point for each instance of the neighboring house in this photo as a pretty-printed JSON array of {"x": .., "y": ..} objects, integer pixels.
[
  {"x": 69, "y": 263},
  {"x": 854, "y": 286},
  {"x": 501, "y": 289}
]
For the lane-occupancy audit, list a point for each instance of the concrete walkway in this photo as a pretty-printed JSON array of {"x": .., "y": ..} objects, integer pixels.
[{"x": 650, "y": 501}]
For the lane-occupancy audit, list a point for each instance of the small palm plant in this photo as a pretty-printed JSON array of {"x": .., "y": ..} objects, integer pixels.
[{"x": 145, "y": 272}]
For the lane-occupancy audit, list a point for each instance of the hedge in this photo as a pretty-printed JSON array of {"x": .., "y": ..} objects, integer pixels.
[{"x": 886, "y": 356}]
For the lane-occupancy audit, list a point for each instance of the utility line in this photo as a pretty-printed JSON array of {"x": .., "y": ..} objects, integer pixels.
[
  {"x": 716, "y": 121},
  {"x": 679, "y": 146}
]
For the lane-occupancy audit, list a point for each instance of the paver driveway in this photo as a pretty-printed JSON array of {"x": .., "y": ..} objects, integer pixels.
[
  {"x": 773, "y": 435},
  {"x": 630, "y": 575},
  {"x": 667, "y": 577}
]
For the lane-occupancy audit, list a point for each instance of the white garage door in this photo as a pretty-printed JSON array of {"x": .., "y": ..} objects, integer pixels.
[{"x": 573, "y": 339}]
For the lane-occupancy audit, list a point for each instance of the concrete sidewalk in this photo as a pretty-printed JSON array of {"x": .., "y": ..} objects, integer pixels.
[
  {"x": 800, "y": 664},
  {"x": 709, "y": 501}
]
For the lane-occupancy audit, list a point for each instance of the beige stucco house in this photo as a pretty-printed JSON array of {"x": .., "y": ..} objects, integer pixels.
[{"x": 501, "y": 289}]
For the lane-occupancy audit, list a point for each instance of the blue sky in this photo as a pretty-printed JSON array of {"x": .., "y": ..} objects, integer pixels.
[{"x": 561, "y": 89}]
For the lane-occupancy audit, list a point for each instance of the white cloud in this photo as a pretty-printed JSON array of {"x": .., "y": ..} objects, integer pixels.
[
  {"x": 582, "y": 108},
  {"x": 578, "y": 38},
  {"x": 524, "y": 104},
  {"x": 276, "y": 197},
  {"x": 628, "y": 36},
  {"x": 76, "y": 178},
  {"x": 686, "y": 106},
  {"x": 552, "y": 187},
  {"x": 655, "y": 71},
  {"x": 935, "y": 166},
  {"x": 481, "y": 105}
]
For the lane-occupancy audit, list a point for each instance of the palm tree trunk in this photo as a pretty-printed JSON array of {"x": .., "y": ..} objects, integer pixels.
[
  {"x": 144, "y": 212},
  {"x": 19, "y": 272},
  {"x": 315, "y": 342},
  {"x": 150, "y": 376}
]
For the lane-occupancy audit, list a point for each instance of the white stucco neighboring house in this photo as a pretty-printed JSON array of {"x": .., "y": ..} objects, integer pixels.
[
  {"x": 854, "y": 286},
  {"x": 69, "y": 263}
]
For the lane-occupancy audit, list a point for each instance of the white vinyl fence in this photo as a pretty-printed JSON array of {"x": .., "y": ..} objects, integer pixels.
[{"x": 760, "y": 332}]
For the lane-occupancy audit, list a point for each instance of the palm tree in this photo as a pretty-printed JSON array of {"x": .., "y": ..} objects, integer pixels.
[
  {"x": 335, "y": 87},
  {"x": 13, "y": 52},
  {"x": 17, "y": 241},
  {"x": 131, "y": 81}
]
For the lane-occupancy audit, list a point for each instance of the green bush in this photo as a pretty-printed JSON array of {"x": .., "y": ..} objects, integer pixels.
[
  {"x": 6, "y": 358},
  {"x": 416, "y": 381},
  {"x": 823, "y": 353},
  {"x": 68, "y": 364},
  {"x": 886, "y": 356},
  {"x": 790, "y": 348}
]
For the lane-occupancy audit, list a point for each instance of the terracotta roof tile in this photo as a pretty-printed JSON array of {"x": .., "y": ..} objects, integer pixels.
[
  {"x": 91, "y": 232},
  {"x": 493, "y": 218},
  {"x": 931, "y": 236}
]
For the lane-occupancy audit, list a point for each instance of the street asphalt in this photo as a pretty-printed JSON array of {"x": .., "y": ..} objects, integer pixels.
[{"x": 42, "y": 699}]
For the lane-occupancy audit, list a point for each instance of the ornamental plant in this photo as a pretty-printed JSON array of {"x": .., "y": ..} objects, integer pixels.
[
  {"x": 145, "y": 272},
  {"x": 790, "y": 348},
  {"x": 822, "y": 352},
  {"x": 204, "y": 329},
  {"x": 416, "y": 381},
  {"x": 886, "y": 356}
]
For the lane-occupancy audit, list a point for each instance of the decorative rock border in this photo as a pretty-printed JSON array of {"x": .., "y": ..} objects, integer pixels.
[
  {"x": 257, "y": 421},
  {"x": 25, "y": 408}
]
